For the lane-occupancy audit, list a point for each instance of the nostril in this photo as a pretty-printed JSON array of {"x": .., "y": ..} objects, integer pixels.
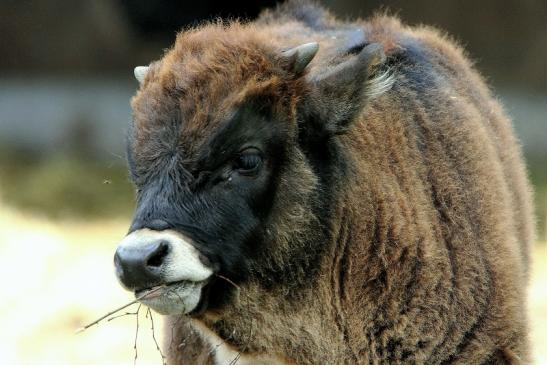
[{"x": 156, "y": 259}]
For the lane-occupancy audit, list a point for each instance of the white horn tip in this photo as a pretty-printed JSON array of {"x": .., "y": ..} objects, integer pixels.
[{"x": 140, "y": 73}]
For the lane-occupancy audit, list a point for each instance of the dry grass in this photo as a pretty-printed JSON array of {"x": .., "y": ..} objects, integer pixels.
[{"x": 60, "y": 277}]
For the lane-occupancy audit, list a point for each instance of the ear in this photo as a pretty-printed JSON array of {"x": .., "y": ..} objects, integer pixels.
[{"x": 338, "y": 95}]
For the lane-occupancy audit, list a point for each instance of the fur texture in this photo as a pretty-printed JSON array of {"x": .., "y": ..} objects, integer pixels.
[{"x": 400, "y": 221}]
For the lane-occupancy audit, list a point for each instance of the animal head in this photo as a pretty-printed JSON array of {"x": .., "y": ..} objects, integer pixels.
[{"x": 227, "y": 130}]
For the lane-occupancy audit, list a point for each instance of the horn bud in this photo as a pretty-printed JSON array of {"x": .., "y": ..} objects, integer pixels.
[
  {"x": 140, "y": 73},
  {"x": 301, "y": 56}
]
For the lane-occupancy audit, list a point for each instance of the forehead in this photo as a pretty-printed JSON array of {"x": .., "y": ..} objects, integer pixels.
[{"x": 202, "y": 82}]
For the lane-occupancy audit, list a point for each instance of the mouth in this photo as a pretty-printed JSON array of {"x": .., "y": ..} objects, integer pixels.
[
  {"x": 164, "y": 270},
  {"x": 180, "y": 297}
]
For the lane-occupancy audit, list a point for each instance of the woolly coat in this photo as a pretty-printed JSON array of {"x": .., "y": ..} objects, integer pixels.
[{"x": 421, "y": 254}]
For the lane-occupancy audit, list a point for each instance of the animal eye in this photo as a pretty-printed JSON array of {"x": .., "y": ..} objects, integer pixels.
[{"x": 248, "y": 162}]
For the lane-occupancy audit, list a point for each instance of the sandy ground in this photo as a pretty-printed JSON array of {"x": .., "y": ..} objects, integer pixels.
[{"x": 59, "y": 277}]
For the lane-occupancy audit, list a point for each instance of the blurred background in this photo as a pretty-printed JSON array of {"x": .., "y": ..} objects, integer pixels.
[{"x": 65, "y": 200}]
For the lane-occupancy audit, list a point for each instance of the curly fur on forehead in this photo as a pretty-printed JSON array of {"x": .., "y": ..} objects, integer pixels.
[{"x": 209, "y": 73}]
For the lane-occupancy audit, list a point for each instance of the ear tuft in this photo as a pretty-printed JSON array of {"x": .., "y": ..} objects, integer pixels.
[{"x": 380, "y": 84}]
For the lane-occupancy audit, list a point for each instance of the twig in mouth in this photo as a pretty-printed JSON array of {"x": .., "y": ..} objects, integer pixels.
[
  {"x": 228, "y": 280},
  {"x": 122, "y": 315},
  {"x": 173, "y": 328},
  {"x": 119, "y": 309},
  {"x": 235, "y": 359},
  {"x": 191, "y": 332},
  {"x": 136, "y": 336},
  {"x": 149, "y": 312}
]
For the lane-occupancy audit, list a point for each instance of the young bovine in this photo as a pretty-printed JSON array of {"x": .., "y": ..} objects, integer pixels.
[{"x": 311, "y": 191}]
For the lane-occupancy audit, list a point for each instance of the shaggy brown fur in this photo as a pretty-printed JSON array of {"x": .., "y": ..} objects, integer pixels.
[{"x": 430, "y": 228}]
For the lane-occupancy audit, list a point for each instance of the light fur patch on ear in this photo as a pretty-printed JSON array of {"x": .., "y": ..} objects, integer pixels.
[{"x": 380, "y": 84}]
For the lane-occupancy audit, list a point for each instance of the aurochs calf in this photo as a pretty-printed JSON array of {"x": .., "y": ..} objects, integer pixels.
[{"x": 311, "y": 191}]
